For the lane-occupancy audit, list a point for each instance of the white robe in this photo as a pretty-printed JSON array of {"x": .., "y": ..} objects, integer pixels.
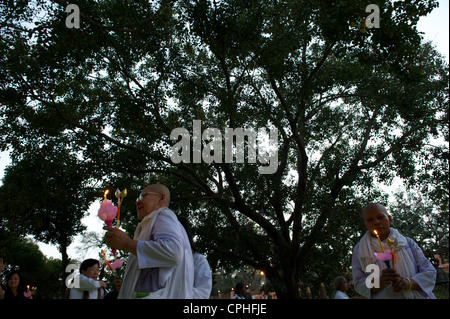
[
  {"x": 202, "y": 277},
  {"x": 83, "y": 284},
  {"x": 416, "y": 266},
  {"x": 340, "y": 295},
  {"x": 163, "y": 267}
]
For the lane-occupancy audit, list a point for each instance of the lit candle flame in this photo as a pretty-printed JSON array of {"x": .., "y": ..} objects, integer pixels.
[
  {"x": 379, "y": 240},
  {"x": 106, "y": 193}
]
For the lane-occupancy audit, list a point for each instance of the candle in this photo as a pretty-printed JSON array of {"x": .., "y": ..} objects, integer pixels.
[
  {"x": 106, "y": 260},
  {"x": 379, "y": 240},
  {"x": 104, "y": 255},
  {"x": 104, "y": 195},
  {"x": 27, "y": 294}
]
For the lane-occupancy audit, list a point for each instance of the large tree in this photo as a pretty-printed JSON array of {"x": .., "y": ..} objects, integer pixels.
[
  {"x": 45, "y": 195},
  {"x": 352, "y": 106}
]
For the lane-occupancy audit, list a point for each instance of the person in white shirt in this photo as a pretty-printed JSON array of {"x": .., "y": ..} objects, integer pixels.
[
  {"x": 202, "y": 271},
  {"x": 160, "y": 265},
  {"x": 86, "y": 283},
  {"x": 202, "y": 277},
  {"x": 341, "y": 287}
]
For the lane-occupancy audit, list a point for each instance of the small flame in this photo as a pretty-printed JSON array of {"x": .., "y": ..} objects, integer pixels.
[{"x": 375, "y": 232}]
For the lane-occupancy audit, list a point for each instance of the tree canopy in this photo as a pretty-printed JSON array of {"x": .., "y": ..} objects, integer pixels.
[{"x": 353, "y": 106}]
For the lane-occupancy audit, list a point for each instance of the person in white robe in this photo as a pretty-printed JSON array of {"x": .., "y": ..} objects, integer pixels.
[
  {"x": 413, "y": 277},
  {"x": 341, "y": 287},
  {"x": 86, "y": 284},
  {"x": 160, "y": 265},
  {"x": 202, "y": 277},
  {"x": 202, "y": 271}
]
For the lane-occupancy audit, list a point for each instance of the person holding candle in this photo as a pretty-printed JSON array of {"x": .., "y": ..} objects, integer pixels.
[
  {"x": 413, "y": 277},
  {"x": 160, "y": 264},
  {"x": 14, "y": 289}
]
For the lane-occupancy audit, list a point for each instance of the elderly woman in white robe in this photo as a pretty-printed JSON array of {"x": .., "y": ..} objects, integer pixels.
[{"x": 413, "y": 277}]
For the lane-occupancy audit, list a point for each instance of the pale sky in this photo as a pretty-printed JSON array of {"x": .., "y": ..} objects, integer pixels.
[{"x": 436, "y": 28}]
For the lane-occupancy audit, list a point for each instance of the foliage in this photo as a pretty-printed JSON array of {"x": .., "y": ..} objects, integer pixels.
[
  {"x": 353, "y": 106},
  {"x": 421, "y": 219},
  {"x": 43, "y": 197}
]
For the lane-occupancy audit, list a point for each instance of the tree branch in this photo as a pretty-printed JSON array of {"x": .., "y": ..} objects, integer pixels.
[
  {"x": 394, "y": 146},
  {"x": 132, "y": 28},
  {"x": 325, "y": 55}
]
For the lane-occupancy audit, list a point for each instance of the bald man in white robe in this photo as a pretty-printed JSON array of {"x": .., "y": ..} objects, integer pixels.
[{"x": 160, "y": 265}]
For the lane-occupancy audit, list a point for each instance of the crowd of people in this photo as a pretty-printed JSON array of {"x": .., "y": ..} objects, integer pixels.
[{"x": 163, "y": 261}]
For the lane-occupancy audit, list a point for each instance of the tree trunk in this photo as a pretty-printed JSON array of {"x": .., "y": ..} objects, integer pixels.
[
  {"x": 290, "y": 279},
  {"x": 284, "y": 280},
  {"x": 65, "y": 263}
]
